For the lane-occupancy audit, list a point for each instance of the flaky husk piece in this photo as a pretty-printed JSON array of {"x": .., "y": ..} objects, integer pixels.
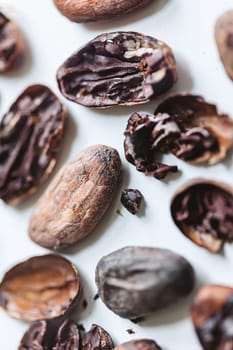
[{"x": 42, "y": 287}]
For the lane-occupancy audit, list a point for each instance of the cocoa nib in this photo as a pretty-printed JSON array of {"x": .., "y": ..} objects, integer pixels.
[
  {"x": 212, "y": 315},
  {"x": 119, "y": 68},
  {"x": 97, "y": 338},
  {"x": 139, "y": 344},
  {"x": 203, "y": 211},
  {"x": 135, "y": 281},
  {"x": 45, "y": 286},
  {"x": 30, "y": 136},
  {"x": 131, "y": 200},
  {"x": 224, "y": 40},
  {"x": 12, "y": 44},
  {"x": 185, "y": 125}
]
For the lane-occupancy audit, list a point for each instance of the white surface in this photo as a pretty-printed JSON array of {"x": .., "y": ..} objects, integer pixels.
[{"x": 187, "y": 26}]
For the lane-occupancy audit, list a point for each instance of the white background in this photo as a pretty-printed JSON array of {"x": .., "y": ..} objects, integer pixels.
[{"x": 187, "y": 26}]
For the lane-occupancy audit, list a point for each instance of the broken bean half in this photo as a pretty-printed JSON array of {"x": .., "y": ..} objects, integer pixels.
[
  {"x": 43, "y": 287},
  {"x": 93, "y": 11},
  {"x": 30, "y": 136},
  {"x": 12, "y": 44},
  {"x": 212, "y": 316},
  {"x": 203, "y": 211},
  {"x": 61, "y": 335},
  {"x": 185, "y": 125},
  {"x": 224, "y": 40},
  {"x": 135, "y": 281},
  {"x": 119, "y": 68}
]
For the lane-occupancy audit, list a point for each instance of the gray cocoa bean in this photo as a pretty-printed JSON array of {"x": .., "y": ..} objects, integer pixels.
[{"x": 134, "y": 281}]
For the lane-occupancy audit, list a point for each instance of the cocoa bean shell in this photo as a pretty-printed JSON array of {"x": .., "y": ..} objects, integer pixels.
[
  {"x": 42, "y": 287},
  {"x": 77, "y": 198},
  {"x": 191, "y": 225}
]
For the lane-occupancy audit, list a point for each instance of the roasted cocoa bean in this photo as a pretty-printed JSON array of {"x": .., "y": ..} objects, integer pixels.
[
  {"x": 51, "y": 335},
  {"x": 186, "y": 125},
  {"x": 12, "y": 45},
  {"x": 202, "y": 133},
  {"x": 30, "y": 137},
  {"x": 92, "y": 11},
  {"x": 77, "y": 198},
  {"x": 41, "y": 287},
  {"x": 139, "y": 344},
  {"x": 97, "y": 339},
  {"x": 224, "y": 40},
  {"x": 120, "y": 68},
  {"x": 212, "y": 316},
  {"x": 131, "y": 200},
  {"x": 135, "y": 281},
  {"x": 203, "y": 211}
]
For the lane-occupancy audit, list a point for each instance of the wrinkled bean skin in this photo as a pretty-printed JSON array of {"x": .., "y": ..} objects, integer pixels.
[
  {"x": 30, "y": 136},
  {"x": 212, "y": 316},
  {"x": 12, "y": 44},
  {"x": 203, "y": 211},
  {"x": 119, "y": 68},
  {"x": 139, "y": 344},
  {"x": 134, "y": 281},
  {"x": 224, "y": 40},
  {"x": 41, "y": 287},
  {"x": 92, "y": 11},
  {"x": 97, "y": 339},
  {"x": 77, "y": 198},
  {"x": 51, "y": 335}
]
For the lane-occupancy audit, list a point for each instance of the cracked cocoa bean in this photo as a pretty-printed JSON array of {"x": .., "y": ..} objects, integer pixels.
[
  {"x": 139, "y": 344},
  {"x": 97, "y": 339},
  {"x": 203, "y": 134},
  {"x": 134, "y": 281},
  {"x": 224, "y": 40},
  {"x": 131, "y": 200},
  {"x": 212, "y": 316},
  {"x": 41, "y": 287},
  {"x": 120, "y": 68},
  {"x": 77, "y": 198},
  {"x": 12, "y": 45},
  {"x": 30, "y": 136},
  {"x": 185, "y": 125},
  {"x": 51, "y": 335},
  {"x": 64, "y": 335},
  {"x": 92, "y": 11},
  {"x": 146, "y": 135},
  {"x": 203, "y": 211}
]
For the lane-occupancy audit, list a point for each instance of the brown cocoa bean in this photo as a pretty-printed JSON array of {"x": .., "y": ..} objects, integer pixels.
[{"x": 77, "y": 198}]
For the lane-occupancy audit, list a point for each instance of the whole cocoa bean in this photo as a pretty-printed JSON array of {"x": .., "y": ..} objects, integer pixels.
[
  {"x": 93, "y": 11},
  {"x": 77, "y": 198},
  {"x": 134, "y": 281}
]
